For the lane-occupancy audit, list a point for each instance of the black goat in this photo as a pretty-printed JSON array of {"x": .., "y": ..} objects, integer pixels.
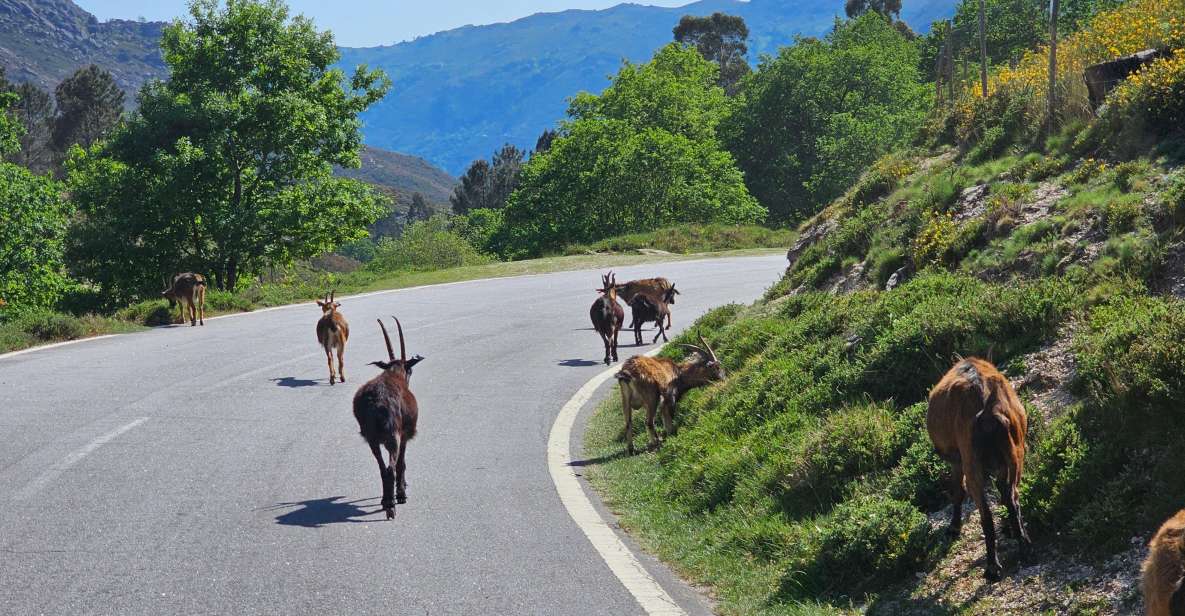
[
  {"x": 386, "y": 411},
  {"x": 607, "y": 316},
  {"x": 649, "y": 309}
]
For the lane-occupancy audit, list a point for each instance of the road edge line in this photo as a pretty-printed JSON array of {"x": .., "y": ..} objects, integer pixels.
[{"x": 620, "y": 559}]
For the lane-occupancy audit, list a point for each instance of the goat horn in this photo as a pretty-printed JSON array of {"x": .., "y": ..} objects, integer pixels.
[
  {"x": 402, "y": 346},
  {"x": 331, "y": 295},
  {"x": 693, "y": 348},
  {"x": 709, "y": 348},
  {"x": 387, "y": 339}
]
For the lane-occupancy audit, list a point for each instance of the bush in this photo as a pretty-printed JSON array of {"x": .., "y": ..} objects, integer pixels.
[
  {"x": 47, "y": 325},
  {"x": 692, "y": 238},
  {"x": 32, "y": 232},
  {"x": 425, "y": 245},
  {"x": 151, "y": 313}
]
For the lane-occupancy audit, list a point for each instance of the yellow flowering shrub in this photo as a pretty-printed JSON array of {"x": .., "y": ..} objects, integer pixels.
[
  {"x": 935, "y": 239},
  {"x": 1157, "y": 91}
]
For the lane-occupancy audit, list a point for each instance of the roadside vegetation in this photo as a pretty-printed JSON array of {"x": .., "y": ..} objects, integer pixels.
[{"x": 806, "y": 482}]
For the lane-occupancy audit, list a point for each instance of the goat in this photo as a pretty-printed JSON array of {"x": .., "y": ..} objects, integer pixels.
[
  {"x": 978, "y": 425},
  {"x": 188, "y": 289},
  {"x": 656, "y": 287},
  {"x": 607, "y": 316},
  {"x": 332, "y": 333},
  {"x": 1164, "y": 569},
  {"x": 386, "y": 411},
  {"x": 649, "y": 381},
  {"x": 647, "y": 309}
]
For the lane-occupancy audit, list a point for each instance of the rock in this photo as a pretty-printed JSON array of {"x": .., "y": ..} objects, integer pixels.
[
  {"x": 1101, "y": 78},
  {"x": 972, "y": 203},
  {"x": 1045, "y": 198},
  {"x": 848, "y": 281},
  {"x": 897, "y": 278},
  {"x": 809, "y": 237},
  {"x": 652, "y": 251}
]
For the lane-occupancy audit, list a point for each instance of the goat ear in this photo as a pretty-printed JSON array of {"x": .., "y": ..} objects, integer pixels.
[
  {"x": 382, "y": 364},
  {"x": 413, "y": 361}
]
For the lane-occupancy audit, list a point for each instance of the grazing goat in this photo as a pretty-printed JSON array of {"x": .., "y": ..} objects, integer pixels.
[
  {"x": 332, "y": 334},
  {"x": 607, "y": 316},
  {"x": 655, "y": 287},
  {"x": 650, "y": 381},
  {"x": 648, "y": 309},
  {"x": 188, "y": 290},
  {"x": 386, "y": 411},
  {"x": 978, "y": 425},
  {"x": 1164, "y": 570}
]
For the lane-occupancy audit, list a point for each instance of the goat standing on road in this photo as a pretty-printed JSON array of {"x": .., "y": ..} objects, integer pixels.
[
  {"x": 607, "y": 316},
  {"x": 332, "y": 334},
  {"x": 655, "y": 287},
  {"x": 650, "y": 381},
  {"x": 648, "y": 309},
  {"x": 387, "y": 411},
  {"x": 1164, "y": 570},
  {"x": 978, "y": 425},
  {"x": 188, "y": 291}
]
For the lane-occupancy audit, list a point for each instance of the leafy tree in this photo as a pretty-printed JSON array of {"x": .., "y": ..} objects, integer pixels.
[
  {"x": 720, "y": 38},
  {"x": 488, "y": 184},
  {"x": 32, "y": 227},
  {"x": 543, "y": 144},
  {"x": 417, "y": 211},
  {"x": 226, "y": 167},
  {"x": 641, "y": 155},
  {"x": 34, "y": 112},
  {"x": 90, "y": 105},
  {"x": 890, "y": 9},
  {"x": 819, "y": 113}
]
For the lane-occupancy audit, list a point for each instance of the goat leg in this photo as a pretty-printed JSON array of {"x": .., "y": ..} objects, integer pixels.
[
  {"x": 400, "y": 477},
  {"x": 958, "y": 494}
]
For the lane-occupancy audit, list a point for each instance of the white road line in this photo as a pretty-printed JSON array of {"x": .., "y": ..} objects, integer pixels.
[
  {"x": 55, "y": 345},
  {"x": 648, "y": 593},
  {"x": 73, "y": 458}
]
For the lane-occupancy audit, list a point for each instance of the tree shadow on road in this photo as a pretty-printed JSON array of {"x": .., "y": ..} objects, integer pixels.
[
  {"x": 321, "y": 511},
  {"x": 291, "y": 381},
  {"x": 578, "y": 363},
  {"x": 599, "y": 459}
]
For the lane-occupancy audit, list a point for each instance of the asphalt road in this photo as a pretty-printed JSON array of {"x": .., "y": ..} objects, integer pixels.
[{"x": 214, "y": 471}]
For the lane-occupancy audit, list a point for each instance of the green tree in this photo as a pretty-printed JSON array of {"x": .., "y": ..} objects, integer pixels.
[
  {"x": 722, "y": 39},
  {"x": 32, "y": 228},
  {"x": 34, "y": 111},
  {"x": 890, "y": 9},
  {"x": 417, "y": 211},
  {"x": 488, "y": 184},
  {"x": 90, "y": 106},
  {"x": 226, "y": 167},
  {"x": 813, "y": 118},
  {"x": 641, "y": 155}
]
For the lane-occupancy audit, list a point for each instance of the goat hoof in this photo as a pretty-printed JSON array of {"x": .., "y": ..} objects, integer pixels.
[
  {"x": 400, "y": 500},
  {"x": 993, "y": 573},
  {"x": 390, "y": 513}
]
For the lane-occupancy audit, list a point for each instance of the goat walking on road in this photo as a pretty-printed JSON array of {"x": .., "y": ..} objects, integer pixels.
[
  {"x": 655, "y": 287},
  {"x": 646, "y": 308},
  {"x": 332, "y": 333},
  {"x": 188, "y": 291},
  {"x": 1164, "y": 570},
  {"x": 978, "y": 425},
  {"x": 387, "y": 411},
  {"x": 650, "y": 381},
  {"x": 607, "y": 316}
]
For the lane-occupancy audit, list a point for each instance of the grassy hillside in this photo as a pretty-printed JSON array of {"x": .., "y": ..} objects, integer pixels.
[
  {"x": 806, "y": 483},
  {"x": 404, "y": 175}
]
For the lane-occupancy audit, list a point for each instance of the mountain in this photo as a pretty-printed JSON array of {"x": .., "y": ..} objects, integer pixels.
[
  {"x": 404, "y": 174},
  {"x": 461, "y": 94},
  {"x": 44, "y": 41}
]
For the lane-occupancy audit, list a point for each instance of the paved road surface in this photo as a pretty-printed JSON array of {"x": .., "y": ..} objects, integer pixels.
[{"x": 214, "y": 470}]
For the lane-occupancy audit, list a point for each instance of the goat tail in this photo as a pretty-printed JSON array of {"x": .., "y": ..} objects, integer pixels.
[{"x": 989, "y": 438}]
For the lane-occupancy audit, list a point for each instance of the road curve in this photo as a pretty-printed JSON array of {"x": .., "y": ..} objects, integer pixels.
[{"x": 213, "y": 470}]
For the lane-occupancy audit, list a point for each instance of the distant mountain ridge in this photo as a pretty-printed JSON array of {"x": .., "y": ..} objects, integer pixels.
[
  {"x": 461, "y": 94},
  {"x": 405, "y": 174}
]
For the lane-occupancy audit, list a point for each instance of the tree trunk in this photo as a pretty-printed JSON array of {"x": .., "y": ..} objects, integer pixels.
[
  {"x": 983, "y": 62},
  {"x": 232, "y": 273},
  {"x": 1052, "y": 94}
]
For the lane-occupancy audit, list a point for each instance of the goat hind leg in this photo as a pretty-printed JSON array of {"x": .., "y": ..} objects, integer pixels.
[
  {"x": 388, "y": 476},
  {"x": 651, "y": 409},
  {"x": 992, "y": 569},
  {"x": 329, "y": 360},
  {"x": 400, "y": 477},
  {"x": 341, "y": 368},
  {"x": 958, "y": 493},
  {"x": 1016, "y": 524}
]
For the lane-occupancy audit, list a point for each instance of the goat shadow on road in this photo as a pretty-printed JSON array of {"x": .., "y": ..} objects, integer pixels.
[
  {"x": 319, "y": 512},
  {"x": 291, "y": 381},
  {"x": 578, "y": 363}
]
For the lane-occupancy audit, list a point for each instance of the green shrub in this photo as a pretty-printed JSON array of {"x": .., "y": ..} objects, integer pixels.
[
  {"x": 425, "y": 245},
  {"x": 1124, "y": 174},
  {"x": 151, "y": 313},
  {"x": 990, "y": 145},
  {"x": 48, "y": 325},
  {"x": 849, "y": 445}
]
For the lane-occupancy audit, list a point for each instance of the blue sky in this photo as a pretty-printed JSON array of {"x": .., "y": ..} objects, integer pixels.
[{"x": 364, "y": 23}]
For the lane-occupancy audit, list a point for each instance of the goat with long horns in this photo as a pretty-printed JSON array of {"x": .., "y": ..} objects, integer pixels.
[{"x": 386, "y": 411}]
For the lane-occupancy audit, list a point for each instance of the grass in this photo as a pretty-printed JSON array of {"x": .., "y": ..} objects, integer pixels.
[
  {"x": 692, "y": 238},
  {"x": 300, "y": 285}
]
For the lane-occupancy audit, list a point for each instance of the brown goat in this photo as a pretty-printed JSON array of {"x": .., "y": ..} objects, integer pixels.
[
  {"x": 650, "y": 381},
  {"x": 188, "y": 291},
  {"x": 649, "y": 309},
  {"x": 1164, "y": 570},
  {"x": 387, "y": 411},
  {"x": 655, "y": 287},
  {"x": 607, "y": 316},
  {"x": 332, "y": 333},
  {"x": 978, "y": 425}
]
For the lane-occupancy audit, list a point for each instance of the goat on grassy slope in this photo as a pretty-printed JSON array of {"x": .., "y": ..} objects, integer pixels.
[
  {"x": 650, "y": 381},
  {"x": 1164, "y": 570},
  {"x": 978, "y": 425}
]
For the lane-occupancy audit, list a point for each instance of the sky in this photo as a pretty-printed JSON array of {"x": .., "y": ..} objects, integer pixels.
[{"x": 366, "y": 23}]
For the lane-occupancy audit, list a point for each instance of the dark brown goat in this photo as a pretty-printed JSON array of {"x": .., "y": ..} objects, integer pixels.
[
  {"x": 650, "y": 381},
  {"x": 387, "y": 411},
  {"x": 978, "y": 425},
  {"x": 188, "y": 291},
  {"x": 1164, "y": 570},
  {"x": 655, "y": 287},
  {"x": 332, "y": 333},
  {"x": 648, "y": 309},
  {"x": 607, "y": 316}
]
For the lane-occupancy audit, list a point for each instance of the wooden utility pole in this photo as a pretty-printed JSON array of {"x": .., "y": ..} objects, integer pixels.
[
  {"x": 983, "y": 62},
  {"x": 1052, "y": 94}
]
